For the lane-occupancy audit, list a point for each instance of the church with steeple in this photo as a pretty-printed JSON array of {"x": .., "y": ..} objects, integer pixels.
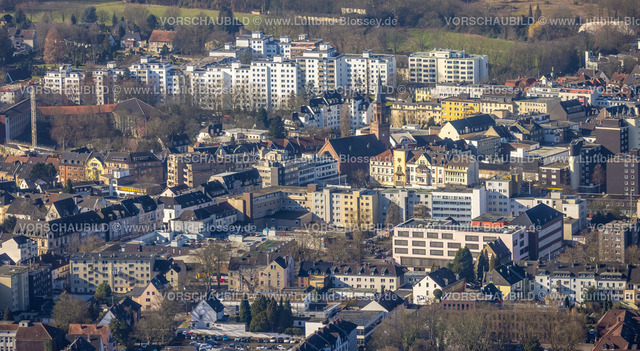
[
  {"x": 354, "y": 152},
  {"x": 379, "y": 125}
]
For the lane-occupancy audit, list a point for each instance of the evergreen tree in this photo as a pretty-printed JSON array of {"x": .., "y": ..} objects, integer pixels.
[
  {"x": 89, "y": 15},
  {"x": 286, "y": 316},
  {"x": 152, "y": 22},
  {"x": 261, "y": 119},
  {"x": 6, "y": 47},
  {"x": 258, "y": 306},
  {"x": 114, "y": 19},
  {"x": 74, "y": 20},
  {"x": 103, "y": 291},
  {"x": 259, "y": 322},
  {"x": 538, "y": 12},
  {"x": 272, "y": 314},
  {"x": 276, "y": 128},
  {"x": 227, "y": 21},
  {"x": 68, "y": 187},
  {"x": 530, "y": 11},
  {"x": 121, "y": 31},
  {"x": 482, "y": 266},
  {"x": 245, "y": 311},
  {"x": 463, "y": 264}
]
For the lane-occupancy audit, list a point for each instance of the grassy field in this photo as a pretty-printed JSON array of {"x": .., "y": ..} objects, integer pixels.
[
  {"x": 58, "y": 10},
  {"x": 426, "y": 39}
]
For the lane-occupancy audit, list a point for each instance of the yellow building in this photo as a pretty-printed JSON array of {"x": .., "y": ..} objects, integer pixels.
[
  {"x": 356, "y": 209},
  {"x": 122, "y": 271},
  {"x": 94, "y": 168},
  {"x": 403, "y": 113},
  {"x": 423, "y": 94},
  {"x": 456, "y": 108}
]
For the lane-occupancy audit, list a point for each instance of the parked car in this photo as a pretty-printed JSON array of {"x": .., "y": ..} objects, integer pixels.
[
  {"x": 225, "y": 338},
  {"x": 273, "y": 340}
]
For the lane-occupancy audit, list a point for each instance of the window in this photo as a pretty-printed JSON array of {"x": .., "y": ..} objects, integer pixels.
[
  {"x": 419, "y": 251},
  {"x": 401, "y": 242},
  {"x": 436, "y": 244},
  {"x": 437, "y": 253},
  {"x": 471, "y": 238},
  {"x": 418, "y": 243}
]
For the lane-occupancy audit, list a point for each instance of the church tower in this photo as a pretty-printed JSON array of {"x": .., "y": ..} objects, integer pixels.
[{"x": 380, "y": 122}]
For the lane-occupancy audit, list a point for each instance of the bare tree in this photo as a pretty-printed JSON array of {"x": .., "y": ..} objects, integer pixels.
[
  {"x": 345, "y": 120},
  {"x": 211, "y": 258}
]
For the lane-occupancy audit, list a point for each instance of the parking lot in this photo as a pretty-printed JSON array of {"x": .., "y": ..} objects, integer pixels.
[{"x": 209, "y": 341}]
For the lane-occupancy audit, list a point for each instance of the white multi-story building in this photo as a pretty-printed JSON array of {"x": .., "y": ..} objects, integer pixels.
[
  {"x": 422, "y": 243},
  {"x": 66, "y": 81},
  {"x": 560, "y": 280},
  {"x": 160, "y": 77},
  {"x": 269, "y": 83},
  {"x": 324, "y": 68},
  {"x": 362, "y": 71},
  {"x": 260, "y": 44},
  {"x": 277, "y": 168},
  {"x": 448, "y": 66}
]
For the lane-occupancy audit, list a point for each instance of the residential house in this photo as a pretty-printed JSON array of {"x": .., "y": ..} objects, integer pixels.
[
  {"x": 151, "y": 296},
  {"x": 261, "y": 272},
  {"x": 206, "y": 313},
  {"x": 161, "y": 38},
  {"x": 442, "y": 279},
  {"x": 87, "y": 330}
]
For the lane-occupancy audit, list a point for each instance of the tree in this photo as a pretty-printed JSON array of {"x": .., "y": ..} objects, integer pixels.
[
  {"x": 463, "y": 264},
  {"x": 394, "y": 215},
  {"x": 152, "y": 22},
  {"x": 530, "y": 11},
  {"x": 68, "y": 187},
  {"x": 245, "y": 311},
  {"x": 261, "y": 119},
  {"x": 43, "y": 170},
  {"x": 259, "y": 323},
  {"x": 89, "y": 15},
  {"x": 420, "y": 212},
  {"x": 227, "y": 21},
  {"x": 437, "y": 293},
  {"x": 54, "y": 50},
  {"x": 74, "y": 20},
  {"x": 599, "y": 175},
  {"x": 276, "y": 128},
  {"x": 345, "y": 120},
  {"x": 532, "y": 344},
  {"x": 9, "y": 223},
  {"x": 285, "y": 320},
  {"x": 6, "y": 46},
  {"x": 258, "y": 306},
  {"x": 211, "y": 259},
  {"x": 114, "y": 21},
  {"x": 403, "y": 328},
  {"x": 8, "y": 315},
  {"x": 70, "y": 310},
  {"x": 538, "y": 13},
  {"x": 272, "y": 314},
  {"x": 121, "y": 331},
  {"x": 482, "y": 265},
  {"x": 103, "y": 291}
]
